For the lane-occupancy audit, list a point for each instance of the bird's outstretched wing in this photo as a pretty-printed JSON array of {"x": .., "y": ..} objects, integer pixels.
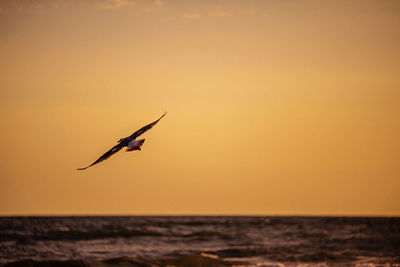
[
  {"x": 106, "y": 155},
  {"x": 145, "y": 128}
]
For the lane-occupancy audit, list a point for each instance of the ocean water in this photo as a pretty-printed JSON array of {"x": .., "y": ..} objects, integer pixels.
[{"x": 199, "y": 241}]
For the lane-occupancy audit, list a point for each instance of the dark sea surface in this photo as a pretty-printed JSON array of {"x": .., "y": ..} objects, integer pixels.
[{"x": 199, "y": 241}]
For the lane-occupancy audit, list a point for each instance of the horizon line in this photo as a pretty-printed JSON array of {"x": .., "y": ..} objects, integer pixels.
[{"x": 199, "y": 215}]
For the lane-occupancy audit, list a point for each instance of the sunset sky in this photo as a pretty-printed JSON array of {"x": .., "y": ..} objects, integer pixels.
[{"x": 274, "y": 107}]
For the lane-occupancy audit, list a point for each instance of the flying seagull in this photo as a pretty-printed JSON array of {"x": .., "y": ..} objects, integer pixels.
[{"x": 130, "y": 142}]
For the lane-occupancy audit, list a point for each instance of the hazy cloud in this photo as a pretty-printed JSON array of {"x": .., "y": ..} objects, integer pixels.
[
  {"x": 192, "y": 16},
  {"x": 220, "y": 14},
  {"x": 26, "y": 6},
  {"x": 159, "y": 2},
  {"x": 112, "y": 4},
  {"x": 247, "y": 12}
]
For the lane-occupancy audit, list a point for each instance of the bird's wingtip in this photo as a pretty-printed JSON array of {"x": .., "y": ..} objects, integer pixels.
[{"x": 165, "y": 113}]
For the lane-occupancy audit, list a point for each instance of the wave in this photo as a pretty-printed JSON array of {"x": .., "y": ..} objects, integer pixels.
[
  {"x": 179, "y": 261},
  {"x": 67, "y": 234},
  {"x": 64, "y": 234},
  {"x": 204, "y": 235}
]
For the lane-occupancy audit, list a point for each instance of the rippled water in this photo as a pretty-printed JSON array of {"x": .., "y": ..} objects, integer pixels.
[{"x": 266, "y": 241}]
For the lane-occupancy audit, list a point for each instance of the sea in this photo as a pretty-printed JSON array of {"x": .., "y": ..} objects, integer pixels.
[{"x": 269, "y": 241}]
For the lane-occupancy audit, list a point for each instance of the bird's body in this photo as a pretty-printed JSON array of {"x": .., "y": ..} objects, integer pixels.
[
  {"x": 129, "y": 142},
  {"x": 135, "y": 145}
]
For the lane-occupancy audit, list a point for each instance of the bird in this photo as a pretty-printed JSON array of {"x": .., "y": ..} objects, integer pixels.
[{"x": 129, "y": 142}]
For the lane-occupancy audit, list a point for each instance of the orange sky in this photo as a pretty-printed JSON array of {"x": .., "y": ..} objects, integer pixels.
[{"x": 274, "y": 107}]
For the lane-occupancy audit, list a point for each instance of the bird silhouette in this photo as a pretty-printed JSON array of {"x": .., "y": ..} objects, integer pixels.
[{"x": 130, "y": 142}]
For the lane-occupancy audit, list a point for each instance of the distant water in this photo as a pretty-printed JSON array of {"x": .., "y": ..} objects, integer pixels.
[{"x": 199, "y": 241}]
